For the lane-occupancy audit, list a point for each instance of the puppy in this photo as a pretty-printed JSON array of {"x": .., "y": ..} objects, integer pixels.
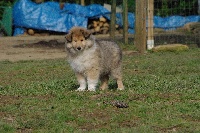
[{"x": 92, "y": 60}]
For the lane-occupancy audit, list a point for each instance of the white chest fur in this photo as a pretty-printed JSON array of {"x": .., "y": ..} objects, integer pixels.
[{"x": 84, "y": 60}]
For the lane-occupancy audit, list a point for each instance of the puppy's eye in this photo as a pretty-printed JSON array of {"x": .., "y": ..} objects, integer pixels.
[
  {"x": 81, "y": 40},
  {"x": 75, "y": 41}
]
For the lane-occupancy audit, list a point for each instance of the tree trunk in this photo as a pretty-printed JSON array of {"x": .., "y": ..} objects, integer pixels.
[
  {"x": 82, "y": 2},
  {"x": 140, "y": 26},
  {"x": 113, "y": 19},
  {"x": 125, "y": 21}
]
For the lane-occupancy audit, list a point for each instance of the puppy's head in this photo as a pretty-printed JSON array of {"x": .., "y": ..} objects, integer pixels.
[{"x": 78, "y": 39}]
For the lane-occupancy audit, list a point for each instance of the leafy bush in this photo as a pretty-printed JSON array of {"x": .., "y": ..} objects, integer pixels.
[{"x": 4, "y": 4}]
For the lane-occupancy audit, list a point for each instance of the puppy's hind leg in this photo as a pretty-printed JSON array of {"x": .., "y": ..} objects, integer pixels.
[
  {"x": 82, "y": 82},
  {"x": 116, "y": 73},
  {"x": 120, "y": 84},
  {"x": 104, "y": 82}
]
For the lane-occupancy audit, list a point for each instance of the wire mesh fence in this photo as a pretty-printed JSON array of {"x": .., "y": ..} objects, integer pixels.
[{"x": 181, "y": 22}]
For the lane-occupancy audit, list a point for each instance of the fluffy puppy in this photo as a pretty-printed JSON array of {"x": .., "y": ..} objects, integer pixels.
[{"x": 92, "y": 60}]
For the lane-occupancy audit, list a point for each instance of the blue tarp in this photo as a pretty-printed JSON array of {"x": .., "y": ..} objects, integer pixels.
[
  {"x": 49, "y": 16},
  {"x": 166, "y": 23},
  {"x": 174, "y": 21}
]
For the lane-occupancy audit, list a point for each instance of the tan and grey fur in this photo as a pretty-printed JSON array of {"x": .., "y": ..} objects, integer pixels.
[{"x": 93, "y": 60}]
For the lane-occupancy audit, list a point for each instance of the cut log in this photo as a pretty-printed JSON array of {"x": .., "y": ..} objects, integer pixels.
[
  {"x": 97, "y": 29},
  {"x": 102, "y": 19},
  {"x": 100, "y": 24},
  {"x": 95, "y": 24},
  {"x": 104, "y": 30},
  {"x": 106, "y": 25},
  {"x": 31, "y": 32}
]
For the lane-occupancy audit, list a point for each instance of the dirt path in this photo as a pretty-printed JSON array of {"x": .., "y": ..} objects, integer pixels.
[
  {"x": 31, "y": 48},
  {"x": 37, "y": 47}
]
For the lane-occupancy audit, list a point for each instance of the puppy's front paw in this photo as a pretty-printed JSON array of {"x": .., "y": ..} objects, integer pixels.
[
  {"x": 80, "y": 89},
  {"x": 91, "y": 89},
  {"x": 92, "y": 84},
  {"x": 120, "y": 88}
]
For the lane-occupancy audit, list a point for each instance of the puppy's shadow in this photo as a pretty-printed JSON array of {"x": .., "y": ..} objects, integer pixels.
[
  {"x": 73, "y": 87},
  {"x": 112, "y": 86}
]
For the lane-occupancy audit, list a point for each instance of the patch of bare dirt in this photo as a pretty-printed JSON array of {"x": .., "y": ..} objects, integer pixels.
[
  {"x": 52, "y": 44},
  {"x": 8, "y": 100},
  {"x": 36, "y": 47},
  {"x": 31, "y": 48}
]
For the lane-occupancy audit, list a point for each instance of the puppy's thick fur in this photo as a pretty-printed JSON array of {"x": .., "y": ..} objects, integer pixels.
[{"x": 93, "y": 60}]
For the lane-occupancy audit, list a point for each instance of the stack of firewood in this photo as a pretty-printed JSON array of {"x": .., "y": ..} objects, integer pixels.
[
  {"x": 96, "y": 26},
  {"x": 100, "y": 26}
]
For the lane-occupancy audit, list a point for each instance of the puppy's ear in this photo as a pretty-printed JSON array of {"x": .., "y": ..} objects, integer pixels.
[
  {"x": 69, "y": 37},
  {"x": 86, "y": 33}
]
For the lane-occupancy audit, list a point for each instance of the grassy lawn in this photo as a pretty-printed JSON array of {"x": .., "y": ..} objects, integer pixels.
[{"x": 162, "y": 93}]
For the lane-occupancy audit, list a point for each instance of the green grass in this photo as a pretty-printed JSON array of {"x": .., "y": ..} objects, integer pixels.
[{"x": 162, "y": 91}]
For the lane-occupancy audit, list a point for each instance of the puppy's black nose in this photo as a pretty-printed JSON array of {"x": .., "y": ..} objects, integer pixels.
[{"x": 78, "y": 48}]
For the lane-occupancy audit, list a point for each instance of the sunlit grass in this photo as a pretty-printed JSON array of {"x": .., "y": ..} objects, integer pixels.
[{"x": 162, "y": 91}]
